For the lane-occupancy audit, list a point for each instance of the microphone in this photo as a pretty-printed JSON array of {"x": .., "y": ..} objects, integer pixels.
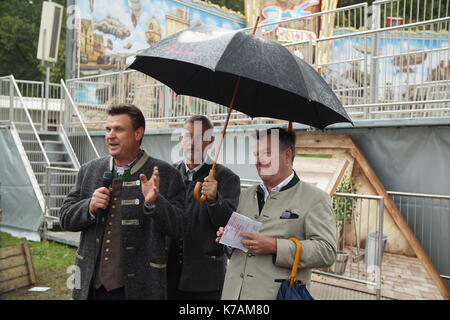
[
  {"x": 106, "y": 182},
  {"x": 107, "y": 179}
]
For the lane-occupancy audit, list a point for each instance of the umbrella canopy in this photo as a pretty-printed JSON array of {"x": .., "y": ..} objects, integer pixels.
[{"x": 204, "y": 62}]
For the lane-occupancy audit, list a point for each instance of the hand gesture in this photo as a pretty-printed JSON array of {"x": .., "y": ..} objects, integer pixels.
[
  {"x": 99, "y": 200},
  {"x": 150, "y": 187},
  {"x": 209, "y": 188}
]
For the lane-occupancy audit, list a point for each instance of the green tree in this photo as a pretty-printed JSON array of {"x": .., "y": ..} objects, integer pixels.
[
  {"x": 19, "y": 34},
  {"x": 236, "y": 5}
]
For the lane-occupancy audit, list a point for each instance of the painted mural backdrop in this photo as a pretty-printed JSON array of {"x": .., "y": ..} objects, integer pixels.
[{"x": 111, "y": 31}]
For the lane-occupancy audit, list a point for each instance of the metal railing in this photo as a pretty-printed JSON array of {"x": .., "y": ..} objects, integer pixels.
[
  {"x": 43, "y": 101},
  {"x": 428, "y": 217},
  {"x": 395, "y": 12},
  {"x": 359, "y": 219},
  {"x": 161, "y": 107},
  {"x": 389, "y": 73},
  {"x": 58, "y": 183},
  {"x": 19, "y": 114},
  {"x": 74, "y": 125},
  {"x": 395, "y": 72}
]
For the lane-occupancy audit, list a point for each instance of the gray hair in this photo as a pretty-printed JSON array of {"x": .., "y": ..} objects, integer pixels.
[{"x": 198, "y": 117}]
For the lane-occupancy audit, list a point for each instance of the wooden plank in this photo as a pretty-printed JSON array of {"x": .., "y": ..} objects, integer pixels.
[
  {"x": 16, "y": 268},
  {"x": 335, "y": 141},
  {"x": 326, "y": 174},
  {"x": 13, "y": 284},
  {"x": 337, "y": 177},
  {"x": 32, "y": 275},
  {"x": 12, "y": 262},
  {"x": 12, "y": 273},
  {"x": 10, "y": 251}
]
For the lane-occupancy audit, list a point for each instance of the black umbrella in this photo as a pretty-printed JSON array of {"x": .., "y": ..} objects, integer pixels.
[
  {"x": 260, "y": 77},
  {"x": 203, "y": 62}
]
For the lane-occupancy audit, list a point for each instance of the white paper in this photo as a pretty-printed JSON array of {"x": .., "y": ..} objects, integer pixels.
[
  {"x": 39, "y": 289},
  {"x": 237, "y": 224}
]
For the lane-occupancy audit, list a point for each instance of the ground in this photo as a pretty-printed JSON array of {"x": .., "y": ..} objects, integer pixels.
[{"x": 50, "y": 261}]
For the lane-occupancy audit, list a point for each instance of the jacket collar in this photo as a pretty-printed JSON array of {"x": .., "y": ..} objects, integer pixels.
[
  {"x": 136, "y": 166},
  {"x": 202, "y": 171},
  {"x": 295, "y": 179}
]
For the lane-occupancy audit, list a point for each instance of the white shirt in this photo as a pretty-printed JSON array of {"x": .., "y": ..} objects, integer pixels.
[
  {"x": 278, "y": 187},
  {"x": 190, "y": 173}
]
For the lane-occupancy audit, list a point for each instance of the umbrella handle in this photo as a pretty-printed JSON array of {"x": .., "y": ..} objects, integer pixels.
[
  {"x": 298, "y": 253},
  {"x": 198, "y": 187}
]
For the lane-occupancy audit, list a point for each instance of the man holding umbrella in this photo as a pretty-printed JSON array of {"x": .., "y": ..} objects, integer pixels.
[
  {"x": 287, "y": 207},
  {"x": 196, "y": 264}
]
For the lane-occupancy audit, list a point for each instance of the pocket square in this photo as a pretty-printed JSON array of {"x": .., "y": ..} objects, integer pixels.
[{"x": 288, "y": 215}]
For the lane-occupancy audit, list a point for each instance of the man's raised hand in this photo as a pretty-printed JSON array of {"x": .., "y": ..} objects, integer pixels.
[{"x": 150, "y": 187}]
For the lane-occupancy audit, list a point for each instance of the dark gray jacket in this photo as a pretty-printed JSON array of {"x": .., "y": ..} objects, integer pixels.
[
  {"x": 204, "y": 261},
  {"x": 143, "y": 232}
]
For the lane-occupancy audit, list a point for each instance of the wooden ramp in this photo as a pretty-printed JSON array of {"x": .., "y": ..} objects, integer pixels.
[{"x": 401, "y": 239}]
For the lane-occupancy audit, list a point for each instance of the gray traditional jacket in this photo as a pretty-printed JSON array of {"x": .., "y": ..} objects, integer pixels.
[
  {"x": 203, "y": 259},
  {"x": 143, "y": 231}
]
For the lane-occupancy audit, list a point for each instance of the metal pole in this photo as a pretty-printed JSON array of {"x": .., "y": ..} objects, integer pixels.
[
  {"x": 47, "y": 88},
  {"x": 11, "y": 100},
  {"x": 47, "y": 192},
  {"x": 380, "y": 246},
  {"x": 374, "y": 61}
]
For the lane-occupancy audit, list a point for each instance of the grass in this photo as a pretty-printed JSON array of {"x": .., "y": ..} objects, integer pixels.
[{"x": 50, "y": 261}]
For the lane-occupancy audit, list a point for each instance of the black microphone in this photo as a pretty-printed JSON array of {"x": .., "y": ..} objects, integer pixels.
[
  {"x": 106, "y": 182},
  {"x": 107, "y": 179}
]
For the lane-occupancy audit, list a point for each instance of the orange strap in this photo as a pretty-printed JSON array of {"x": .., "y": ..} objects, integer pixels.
[{"x": 298, "y": 253}]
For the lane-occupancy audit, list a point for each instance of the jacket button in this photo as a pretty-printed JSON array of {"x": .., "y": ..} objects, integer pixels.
[{"x": 242, "y": 275}]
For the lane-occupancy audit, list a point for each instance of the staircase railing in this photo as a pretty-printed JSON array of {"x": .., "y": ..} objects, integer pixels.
[
  {"x": 73, "y": 123},
  {"x": 58, "y": 183},
  {"x": 20, "y": 116}
]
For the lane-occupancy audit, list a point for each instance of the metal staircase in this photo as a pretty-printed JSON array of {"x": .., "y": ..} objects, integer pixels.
[{"x": 49, "y": 158}]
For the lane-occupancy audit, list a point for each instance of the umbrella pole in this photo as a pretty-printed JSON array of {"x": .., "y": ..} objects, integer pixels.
[{"x": 212, "y": 172}]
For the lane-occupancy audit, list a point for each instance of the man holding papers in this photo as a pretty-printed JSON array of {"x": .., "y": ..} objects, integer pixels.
[{"x": 286, "y": 207}]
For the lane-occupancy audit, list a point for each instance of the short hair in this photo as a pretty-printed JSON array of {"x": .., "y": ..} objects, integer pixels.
[
  {"x": 198, "y": 117},
  {"x": 137, "y": 118},
  {"x": 286, "y": 138},
  {"x": 135, "y": 114}
]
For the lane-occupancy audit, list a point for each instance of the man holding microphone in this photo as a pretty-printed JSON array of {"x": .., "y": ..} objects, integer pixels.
[{"x": 122, "y": 251}]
